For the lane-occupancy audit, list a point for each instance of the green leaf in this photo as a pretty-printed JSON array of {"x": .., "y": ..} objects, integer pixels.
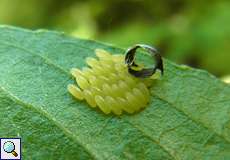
[{"x": 188, "y": 118}]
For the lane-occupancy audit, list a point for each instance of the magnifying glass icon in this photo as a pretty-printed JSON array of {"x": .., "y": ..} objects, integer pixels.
[{"x": 9, "y": 147}]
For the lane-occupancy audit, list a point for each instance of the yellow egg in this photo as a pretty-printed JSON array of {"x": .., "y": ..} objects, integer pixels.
[
  {"x": 107, "y": 89},
  {"x": 87, "y": 72},
  {"x": 122, "y": 85},
  {"x": 142, "y": 98},
  {"x": 113, "y": 105},
  {"x": 92, "y": 62},
  {"x": 107, "y": 84},
  {"x": 102, "y": 54},
  {"x": 118, "y": 58},
  {"x": 96, "y": 91},
  {"x": 125, "y": 105},
  {"x": 82, "y": 82},
  {"x": 76, "y": 72},
  {"x": 102, "y": 105},
  {"x": 75, "y": 91},
  {"x": 89, "y": 98},
  {"x": 133, "y": 101}
]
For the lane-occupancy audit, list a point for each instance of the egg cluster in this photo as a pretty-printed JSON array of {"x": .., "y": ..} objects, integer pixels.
[{"x": 107, "y": 84}]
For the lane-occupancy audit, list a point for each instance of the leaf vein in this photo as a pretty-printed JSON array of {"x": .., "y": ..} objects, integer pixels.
[
  {"x": 195, "y": 121},
  {"x": 45, "y": 114}
]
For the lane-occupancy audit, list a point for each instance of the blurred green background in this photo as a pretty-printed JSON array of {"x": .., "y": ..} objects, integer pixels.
[{"x": 196, "y": 33}]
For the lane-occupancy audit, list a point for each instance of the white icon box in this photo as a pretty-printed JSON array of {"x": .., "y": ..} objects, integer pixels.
[{"x": 10, "y": 148}]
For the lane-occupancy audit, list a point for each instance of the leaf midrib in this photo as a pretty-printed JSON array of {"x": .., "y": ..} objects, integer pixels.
[
  {"x": 67, "y": 132},
  {"x": 45, "y": 114}
]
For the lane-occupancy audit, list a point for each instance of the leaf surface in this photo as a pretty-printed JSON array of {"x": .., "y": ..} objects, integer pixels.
[{"x": 188, "y": 117}]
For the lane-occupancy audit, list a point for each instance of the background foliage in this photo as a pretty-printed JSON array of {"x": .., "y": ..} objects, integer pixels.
[{"x": 196, "y": 33}]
